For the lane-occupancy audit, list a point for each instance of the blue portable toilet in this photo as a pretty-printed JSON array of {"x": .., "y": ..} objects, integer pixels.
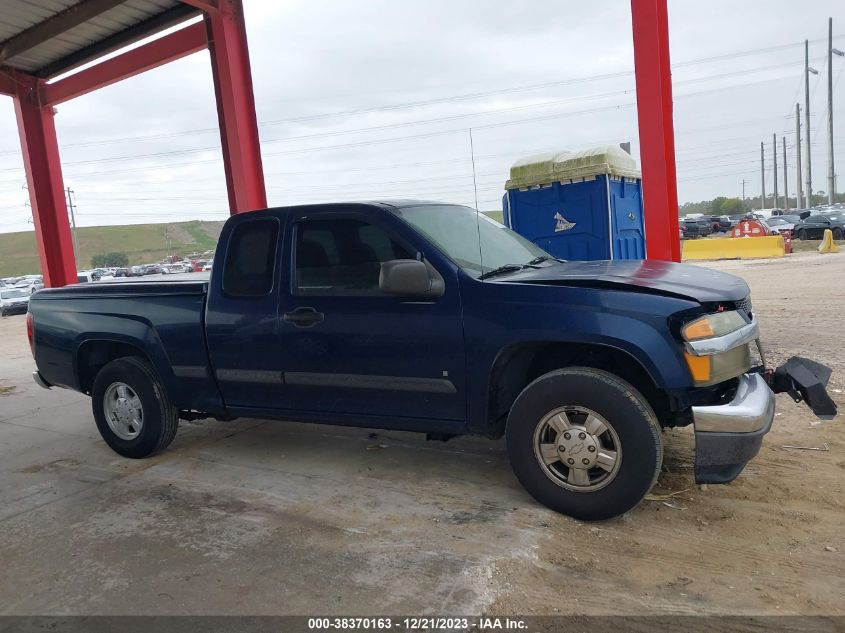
[{"x": 578, "y": 205}]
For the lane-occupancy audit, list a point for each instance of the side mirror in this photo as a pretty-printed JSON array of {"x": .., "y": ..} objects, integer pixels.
[{"x": 405, "y": 277}]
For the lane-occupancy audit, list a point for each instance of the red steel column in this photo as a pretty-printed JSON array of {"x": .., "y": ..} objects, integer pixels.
[
  {"x": 236, "y": 107},
  {"x": 37, "y": 131},
  {"x": 657, "y": 135}
]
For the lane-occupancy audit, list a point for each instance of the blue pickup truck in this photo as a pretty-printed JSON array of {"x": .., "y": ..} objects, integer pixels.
[{"x": 429, "y": 317}]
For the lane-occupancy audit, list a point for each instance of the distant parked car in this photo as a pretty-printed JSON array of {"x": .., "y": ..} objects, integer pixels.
[
  {"x": 88, "y": 276},
  {"x": 704, "y": 226},
  {"x": 814, "y": 227},
  {"x": 151, "y": 269},
  {"x": 691, "y": 228},
  {"x": 719, "y": 223},
  {"x": 13, "y": 301},
  {"x": 30, "y": 285},
  {"x": 780, "y": 224}
]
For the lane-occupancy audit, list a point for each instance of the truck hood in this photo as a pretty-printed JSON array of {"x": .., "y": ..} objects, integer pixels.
[{"x": 667, "y": 278}]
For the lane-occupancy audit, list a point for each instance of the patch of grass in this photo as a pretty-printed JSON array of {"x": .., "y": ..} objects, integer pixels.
[
  {"x": 495, "y": 215},
  {"x": 199, "y": 232}
]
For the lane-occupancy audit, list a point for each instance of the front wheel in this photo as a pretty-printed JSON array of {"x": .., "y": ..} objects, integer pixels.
[
  {"x": 132, "y": 410},
  {"x": 802, "y": 234},
  {"x": 584, "y": 442},
  {"x": 837, "y": 234}
]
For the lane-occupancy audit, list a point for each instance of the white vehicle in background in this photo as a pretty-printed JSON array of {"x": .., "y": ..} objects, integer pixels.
[
  {"x": 13, "y": 301},
  {"x": 175, "y": 269},
  {"x": 30, "y": 284},
  {"x": 88, "y": 276},
  {"x": 206, "y": 267}
]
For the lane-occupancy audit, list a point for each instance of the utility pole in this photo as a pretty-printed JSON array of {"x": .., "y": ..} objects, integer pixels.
[
  {"x": 800, "y": 204},
  {"x": 71, "y": 207},
  {"x": 743, "y": 188},
  {"x": 167, "y": 242},
  {"x": 762, "y": 176},
  {"x": 785, "y": 181},
  {"x": 807, "y": 71},
  {"x": 831, "y": 175},
  {"x": 775, "y": 169}
]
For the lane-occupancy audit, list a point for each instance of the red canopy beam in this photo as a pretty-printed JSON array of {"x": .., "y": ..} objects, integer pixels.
[
  {"x": 236, "y": 107},
  {"x": 657, "y": 135},
  {"x": 176, "y": 45},
  {"x": 43, "y": 167}
]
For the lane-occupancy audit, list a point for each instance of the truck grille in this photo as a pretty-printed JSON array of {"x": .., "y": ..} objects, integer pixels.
[{"x": 745, "y": 305}]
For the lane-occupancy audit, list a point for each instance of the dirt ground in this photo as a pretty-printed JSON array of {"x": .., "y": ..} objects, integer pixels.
[{"x": 282, "y": 518}]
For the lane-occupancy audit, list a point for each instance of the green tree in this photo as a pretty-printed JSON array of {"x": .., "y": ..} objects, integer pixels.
[
  {"x": 716, "y": 205},
  {"x": 731, "y": 206},
  {"x": 108, "y": 260}
]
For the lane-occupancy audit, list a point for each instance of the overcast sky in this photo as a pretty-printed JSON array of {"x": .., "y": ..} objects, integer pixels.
[{"x": 374, "y": 99}]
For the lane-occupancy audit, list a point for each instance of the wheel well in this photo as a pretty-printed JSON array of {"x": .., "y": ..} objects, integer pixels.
[
  {"x": 518, "y": 366},
  {"x": 94, "y": 355}
]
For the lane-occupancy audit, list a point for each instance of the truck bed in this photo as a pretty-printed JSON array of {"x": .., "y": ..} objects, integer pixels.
[{"x": 161, "y": 318}]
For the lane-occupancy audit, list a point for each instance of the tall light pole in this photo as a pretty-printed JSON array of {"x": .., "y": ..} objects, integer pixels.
[
  {"x": 799, "y": 203},
  {"x": 807, "y": 70},
  {"x": 762, "y": 176},
  {"x": 831, "y": 176},
  {"x": 775, "y": 170},
  {"x": 785, "y": 181}
]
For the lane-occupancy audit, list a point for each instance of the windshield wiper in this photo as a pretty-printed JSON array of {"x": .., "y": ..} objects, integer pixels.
[
  {"x": 507, "y": 268},
  {"x": 544, "y": 258}
]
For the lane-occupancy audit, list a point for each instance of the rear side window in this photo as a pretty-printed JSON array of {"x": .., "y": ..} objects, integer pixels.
[{"x": 251, "y": 259}]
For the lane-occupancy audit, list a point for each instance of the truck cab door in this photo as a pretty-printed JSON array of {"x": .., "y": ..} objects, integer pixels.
[
  {"x": 242, "y": 325},
  {"x": 348, "y": 348}
]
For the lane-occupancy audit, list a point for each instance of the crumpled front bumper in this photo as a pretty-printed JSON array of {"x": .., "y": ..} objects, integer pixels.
[{"x": 728, "y": 436}]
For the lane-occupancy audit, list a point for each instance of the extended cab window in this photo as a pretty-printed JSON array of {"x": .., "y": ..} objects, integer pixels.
[
  {"x": 251, "y": 258},
  {"x": 342, "y": 256}
]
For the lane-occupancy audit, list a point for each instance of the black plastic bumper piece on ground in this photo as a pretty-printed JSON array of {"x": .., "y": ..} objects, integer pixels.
[
  {"x": 720, "y": 457},
  {"x": 806, "y": 380}
]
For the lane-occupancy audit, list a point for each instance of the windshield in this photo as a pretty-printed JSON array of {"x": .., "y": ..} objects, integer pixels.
[
  {"x": 13, "y": 294},
  {"x": 455, "y": 230}
]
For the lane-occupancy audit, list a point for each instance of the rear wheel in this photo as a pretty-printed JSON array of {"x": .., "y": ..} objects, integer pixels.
[
  {"x": 584, "y": 442},
  {"x": 133, "y": 414}
]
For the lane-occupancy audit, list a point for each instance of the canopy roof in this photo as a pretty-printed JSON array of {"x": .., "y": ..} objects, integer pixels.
[{"x": 46, "y": 38}]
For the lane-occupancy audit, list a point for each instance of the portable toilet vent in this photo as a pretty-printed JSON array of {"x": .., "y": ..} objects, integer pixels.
[{"x": 578, "y": 205}]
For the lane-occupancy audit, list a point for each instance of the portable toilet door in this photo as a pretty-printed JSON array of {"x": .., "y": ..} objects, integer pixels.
[{"x": 627, "y": 221}]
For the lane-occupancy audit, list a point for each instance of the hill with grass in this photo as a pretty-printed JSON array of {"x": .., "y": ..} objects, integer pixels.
[{"x": 142, "y": 243}]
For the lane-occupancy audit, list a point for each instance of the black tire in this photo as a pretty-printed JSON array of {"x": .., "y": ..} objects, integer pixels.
[
  {"x": 837, "y": 234},
  {"x": 621, "y": 406},
  {"x": 160, "y": 417},
  {"x": 802, "y": 234}
]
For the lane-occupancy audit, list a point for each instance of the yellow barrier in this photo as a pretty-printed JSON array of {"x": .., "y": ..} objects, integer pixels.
[
  {"x": 734, "y": 248},
  {"x": 828, "y": 245}
]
